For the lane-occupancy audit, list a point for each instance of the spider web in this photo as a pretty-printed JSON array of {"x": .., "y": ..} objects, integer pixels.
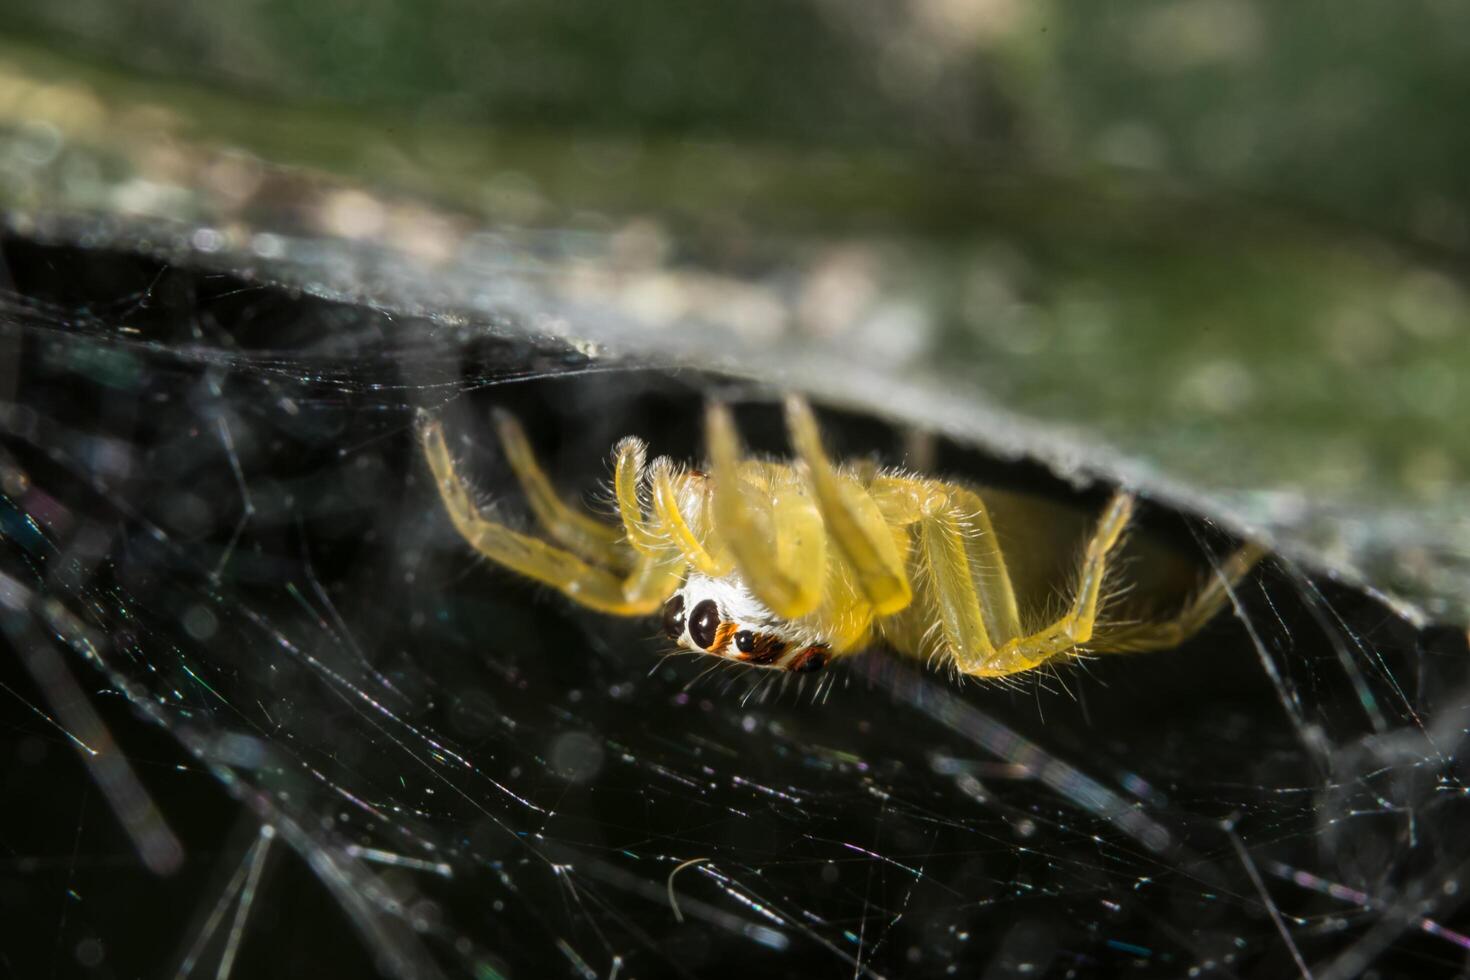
[{"x": 221, "y": 566}]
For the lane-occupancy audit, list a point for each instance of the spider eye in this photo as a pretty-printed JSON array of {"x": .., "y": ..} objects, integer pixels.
[
  {"x": 704, "y": 619},
  {"x": 813, "y": 658},
  {"x": 745, "y": 641},
  {"x": 674, "y": 617}
]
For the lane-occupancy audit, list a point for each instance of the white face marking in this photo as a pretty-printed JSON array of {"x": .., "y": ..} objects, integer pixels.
[
  {"x": 734, "y": 601},
  {"x": 735, "y": 611}
]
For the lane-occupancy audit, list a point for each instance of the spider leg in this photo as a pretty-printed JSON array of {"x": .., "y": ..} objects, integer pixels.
[
  {"x": 670, "y": 517},
  {"x": 775, "y": 534},
  {"x": 851, "y": 517},
  {"x": 652, "y": 579},
  {"x": 589, "y": 537},
  {"x": 668, "y": 526},
  {"x": 988, "y": 567},
  {"x": 959, "y": 597},
  {"x": 1203, "y": 607},
  {"x": 628, "y": 459},
  {"x": 1075, "y": 626},
  {"x": 963, "y": 629}
]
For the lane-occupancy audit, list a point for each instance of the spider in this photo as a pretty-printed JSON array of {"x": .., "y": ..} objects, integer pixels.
[{"x": 792, "y": 565}]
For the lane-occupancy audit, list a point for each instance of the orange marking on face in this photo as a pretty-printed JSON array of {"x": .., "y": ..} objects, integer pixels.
[{"x": 723, "y": 632}]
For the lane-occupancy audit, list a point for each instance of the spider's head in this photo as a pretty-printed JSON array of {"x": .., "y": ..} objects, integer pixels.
[{"x": 720, "y": 616}]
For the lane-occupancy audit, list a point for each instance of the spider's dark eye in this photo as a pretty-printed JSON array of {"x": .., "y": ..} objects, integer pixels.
[
  {"x": 704, "y": 619},
  {"x": 811, "y": 659},
  {"x": 745, "y": 641},
  {"x": 674, "y": 617}
]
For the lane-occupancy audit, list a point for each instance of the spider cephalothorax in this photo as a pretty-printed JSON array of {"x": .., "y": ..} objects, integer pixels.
[{"x": 791, "y": 565}]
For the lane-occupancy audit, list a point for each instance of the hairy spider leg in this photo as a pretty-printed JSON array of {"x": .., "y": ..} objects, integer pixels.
[
  {"x": 958, "y": 597},
  {"x": 1196, "y": 614},
  {"x": 651, "y": 580},
  {"x": 1074, "y": 627},
  {"x": 594, "y": 540},
  {"x": 993, "y": 584},
  {"x": 628, "y": 458},
  {"x": 852, "y": 519},
  {"x": 961, "y": 514},
  {"x": 665, "y": 481},
  {"x": 668, "y": 526},
  {"x": 775, "y": 535},
  {"x": 961, "y": 624}
]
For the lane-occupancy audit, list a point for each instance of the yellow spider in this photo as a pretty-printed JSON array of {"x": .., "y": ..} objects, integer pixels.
[{"x": 792, "y": 565}]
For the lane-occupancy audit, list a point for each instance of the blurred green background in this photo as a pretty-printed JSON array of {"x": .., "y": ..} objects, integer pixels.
[{"x": 1215, "y": 248}]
